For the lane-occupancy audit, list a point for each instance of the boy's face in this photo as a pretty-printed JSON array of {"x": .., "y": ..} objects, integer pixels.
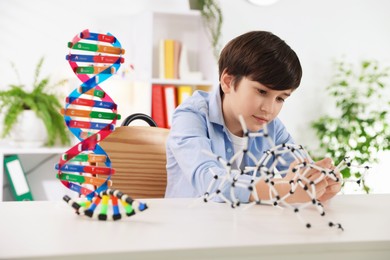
[{"x": 258, "y": 104}]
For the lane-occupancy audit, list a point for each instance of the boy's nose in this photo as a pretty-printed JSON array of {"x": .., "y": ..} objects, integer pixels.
[{"x": 266, "y": 106}]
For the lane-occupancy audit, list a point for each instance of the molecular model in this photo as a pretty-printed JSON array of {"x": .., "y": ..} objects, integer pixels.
[
  {"x": 91, "y": 114},
  {"x": 265, "y": 169}
]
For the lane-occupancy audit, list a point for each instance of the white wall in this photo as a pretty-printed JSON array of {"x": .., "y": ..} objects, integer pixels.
[
  {"x": 319, "y": 31},
  {"x": 31, "y": 29}
]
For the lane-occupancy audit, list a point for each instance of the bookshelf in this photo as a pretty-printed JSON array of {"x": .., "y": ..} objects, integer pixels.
[
  {"x": 40, "y": 151},
  {"x": 148, "y": 29},
  {"x": 144, "y": 32}
]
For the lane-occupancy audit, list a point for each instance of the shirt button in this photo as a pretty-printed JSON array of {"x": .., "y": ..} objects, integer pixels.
[{"x": 229, "y": 150}]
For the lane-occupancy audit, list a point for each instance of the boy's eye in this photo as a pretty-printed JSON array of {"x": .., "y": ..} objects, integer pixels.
[
  {"x": 261, "y": 91},
  {"x": 280, "y": 99}
]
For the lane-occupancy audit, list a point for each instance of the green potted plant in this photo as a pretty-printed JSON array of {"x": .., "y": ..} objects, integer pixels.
[
  {"x": 212, "y": 17},
  {"x": 17, "y": 105},
  {"x": 359, "y": 128}
]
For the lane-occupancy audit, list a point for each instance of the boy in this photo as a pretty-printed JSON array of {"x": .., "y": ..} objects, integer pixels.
[{"x": 257, "y": 72}]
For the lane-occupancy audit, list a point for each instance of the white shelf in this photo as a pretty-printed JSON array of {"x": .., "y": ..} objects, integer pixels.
[
  {"x": 35, "y": 150},
  {"x": 4, "y": 151},
  {"x": 179, "y": 82},
  {"x": 187, "y": 13},
  {"x": 148, "y": 29}
]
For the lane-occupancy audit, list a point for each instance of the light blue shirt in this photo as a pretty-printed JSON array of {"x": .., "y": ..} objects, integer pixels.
[{"x": 197, "y": 125}]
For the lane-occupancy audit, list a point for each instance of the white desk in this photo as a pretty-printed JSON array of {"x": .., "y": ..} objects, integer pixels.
[{"x": 170, "y": 229}]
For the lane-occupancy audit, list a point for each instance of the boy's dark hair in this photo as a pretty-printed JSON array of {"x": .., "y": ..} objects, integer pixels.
[{"x": 263, "y": 57}]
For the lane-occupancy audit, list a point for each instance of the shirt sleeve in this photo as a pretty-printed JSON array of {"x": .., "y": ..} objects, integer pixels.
[{"x": 187, "y": 142}]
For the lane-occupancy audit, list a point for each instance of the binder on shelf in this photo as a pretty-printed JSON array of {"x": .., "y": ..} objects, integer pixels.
[
  {"x": 158, "y": 105},
  {"x": 16, "y": 178},
  {"x": 170, "y": 103},
  {"x": 183, "y": 92}
]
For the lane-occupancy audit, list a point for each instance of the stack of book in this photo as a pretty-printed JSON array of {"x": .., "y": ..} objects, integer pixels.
[
  {"x": 174, "y": 63},
  {"x": 169, "y": 53},
  {"x": 165, "y": 99}
]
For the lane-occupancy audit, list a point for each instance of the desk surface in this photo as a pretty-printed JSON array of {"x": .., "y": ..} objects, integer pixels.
[{"x": 180, "y": 228}]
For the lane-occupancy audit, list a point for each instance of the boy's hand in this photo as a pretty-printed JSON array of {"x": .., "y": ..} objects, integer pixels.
[
  {"x": 333, "y": 186},
  {"x": 325, "y": 189},
  {"x": 328, "y": 187}
]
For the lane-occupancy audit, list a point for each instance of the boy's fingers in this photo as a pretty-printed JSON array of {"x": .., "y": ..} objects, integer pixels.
[
  {"x": 330, "y": 192},
  {"x": 294, "y": 163},
  {"x": 315, "y": 175},
  {"x": 334, "y": 188},
  {"x": 338, "y": 175},
  {"x": 320, "y": 188},
  {"x": 322, "y": 184},
  {"x": 325, "y": 197},
  {"x": 325, "y": 163},
  {"x": 320, "y": 192}
]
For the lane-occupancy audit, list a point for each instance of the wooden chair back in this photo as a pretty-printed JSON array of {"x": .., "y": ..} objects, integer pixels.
[{"x": 138, "y": 156}]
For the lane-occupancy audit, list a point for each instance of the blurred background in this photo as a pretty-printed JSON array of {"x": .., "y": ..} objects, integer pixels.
[{"x": 320, "y": 32}]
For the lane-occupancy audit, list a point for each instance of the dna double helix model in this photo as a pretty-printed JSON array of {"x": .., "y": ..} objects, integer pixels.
[
  {"x": 265, "y": 169},
  {"x": 91, "y": 115}
]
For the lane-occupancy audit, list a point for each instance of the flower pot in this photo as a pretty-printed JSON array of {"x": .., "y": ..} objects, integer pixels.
[
  {"x": 195, "y": 5},
  {"x": 29, "y": 131}
]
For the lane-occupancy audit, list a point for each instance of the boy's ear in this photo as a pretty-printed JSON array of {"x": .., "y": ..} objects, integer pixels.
[{"x": 226, "y": 82}]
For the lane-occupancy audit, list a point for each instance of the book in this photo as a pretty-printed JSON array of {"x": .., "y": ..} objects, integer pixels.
[
  {"x": 161, "y": 61},
  {"x": 17, "y": 179},
  {"x": 169, "y": 58},
  {"x": 158, "y": 105},
  {"x": 176, "y": 59},
  {"x": 203, "y": 88},
  {"x": 170, "y": 96},
  {"x": 183, "y": 92}
]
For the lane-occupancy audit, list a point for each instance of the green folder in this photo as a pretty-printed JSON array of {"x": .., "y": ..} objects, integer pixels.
[{"x": 16, "y": 178}]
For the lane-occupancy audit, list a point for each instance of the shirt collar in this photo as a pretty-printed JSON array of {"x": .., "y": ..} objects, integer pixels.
[{"x": 215, "y": 108}]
